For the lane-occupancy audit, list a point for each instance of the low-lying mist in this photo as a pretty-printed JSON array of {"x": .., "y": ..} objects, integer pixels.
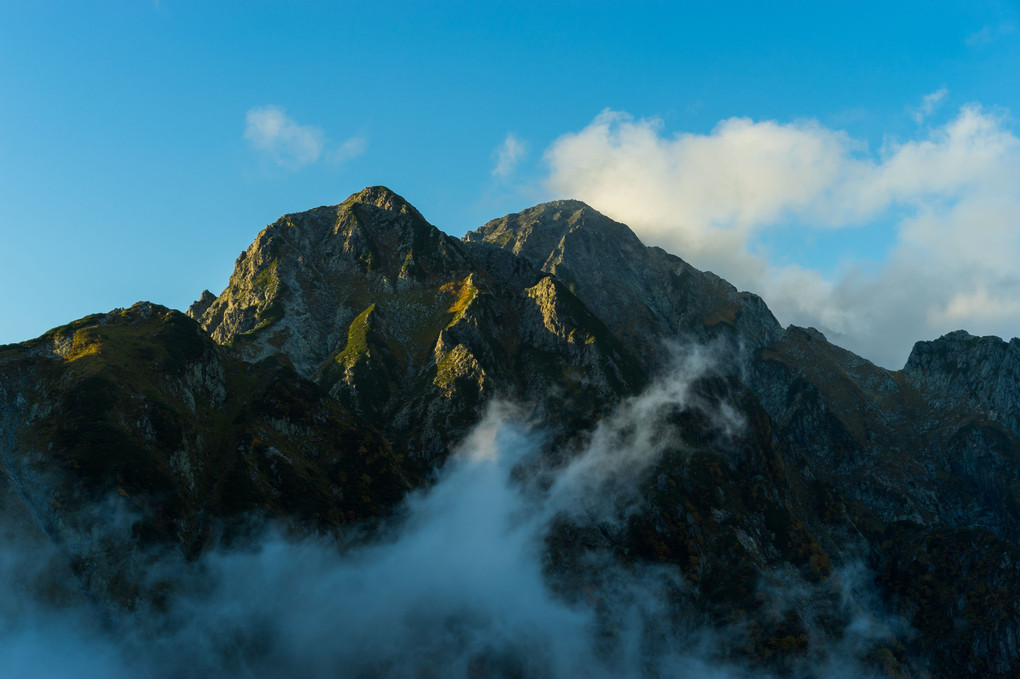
[{"x": 462, "y": 586}]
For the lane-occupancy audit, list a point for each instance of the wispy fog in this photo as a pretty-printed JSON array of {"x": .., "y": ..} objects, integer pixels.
[{"x": 461, "y": 587}]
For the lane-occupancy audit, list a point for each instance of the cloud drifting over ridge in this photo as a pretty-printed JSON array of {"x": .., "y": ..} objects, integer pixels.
[{"x": 952, "y": 198}]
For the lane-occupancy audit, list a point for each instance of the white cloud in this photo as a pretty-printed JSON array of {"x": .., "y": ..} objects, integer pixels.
[
  {"x": 929, "y": 104},
  {"x": 508, "y": 155},
  {"x": 291, "y": 145},
  {"x": 286, "y": 142},
  {"x": 952, "y": 198}
]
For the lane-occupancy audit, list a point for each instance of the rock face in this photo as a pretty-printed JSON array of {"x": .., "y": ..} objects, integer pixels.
[
  {"x": 646, "y": 295},
  {"x": 928, "y": 467},
  {"x": 978, "y": 374},
  {"x": 307, "y": 276},
  {"x": 140, "y": 406},
  {"x": 396, "y": 319},
  {"x": 355, "y": 345}
]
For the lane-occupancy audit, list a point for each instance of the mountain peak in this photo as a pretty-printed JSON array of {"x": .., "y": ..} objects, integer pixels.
[
  {"x": 384, "y": 199},
  {"x": 306, "y": 276},
  {"x": 646, "y": 292},
  {"x": 537, "y": 231},
  {"x": 568, "y": 205}
]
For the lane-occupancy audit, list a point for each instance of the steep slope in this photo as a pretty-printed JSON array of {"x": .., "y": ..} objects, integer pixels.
[
  {"x": 137, "y": 414},
  {"x": 893, "y": 439},
  {"x": 929, "y": 468},
  {"x": 961, "y": 372}
]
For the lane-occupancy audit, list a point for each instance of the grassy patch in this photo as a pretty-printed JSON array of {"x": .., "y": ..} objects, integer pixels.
[
  {"x": 463, "y": 292},
  {"x": 357, "y": 339},
  {"x": 268, "y": 277}
]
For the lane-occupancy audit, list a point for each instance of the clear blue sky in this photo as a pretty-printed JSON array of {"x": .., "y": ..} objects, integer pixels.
[{"x": 144, "y": 144}]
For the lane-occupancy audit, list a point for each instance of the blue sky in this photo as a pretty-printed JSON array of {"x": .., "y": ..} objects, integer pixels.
[{"x": 144, "y": 144}]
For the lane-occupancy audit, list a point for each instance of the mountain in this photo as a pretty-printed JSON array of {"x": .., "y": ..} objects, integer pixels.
[
  {"x": 396, "y": 319},
  {"x": 806, "y": 509},
  {"x": 644, "y": 294},
  {"x": 141, "y": 404}
]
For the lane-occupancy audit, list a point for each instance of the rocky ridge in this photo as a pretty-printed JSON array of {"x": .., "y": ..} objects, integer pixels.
[
  {"x": 395, "y": 318},
  {"x": 644, "y": 293}
]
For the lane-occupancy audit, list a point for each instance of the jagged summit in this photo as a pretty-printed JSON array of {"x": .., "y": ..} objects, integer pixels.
[
  {"x": 384, "y": 199},
  {"x": 200, "y": 305},
  {"x": 983, "y": 372},
  {"x": 307, "y": 275},
  {"x": 539, "y": 232},
  {"x": 643, "y": 293},
  {"x": 378, "y": 306},
  {"x": 374, "y": 227}
]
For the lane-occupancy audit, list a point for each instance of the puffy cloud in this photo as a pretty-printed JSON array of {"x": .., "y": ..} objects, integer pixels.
[
  {"x": 507, "y": 155},
  {"x": 951, "y": 198},
  {"x": 291, "y": 145}
]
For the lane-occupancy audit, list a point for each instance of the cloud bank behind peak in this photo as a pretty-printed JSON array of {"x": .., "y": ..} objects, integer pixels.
[{"x": 947, "y": 203}]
